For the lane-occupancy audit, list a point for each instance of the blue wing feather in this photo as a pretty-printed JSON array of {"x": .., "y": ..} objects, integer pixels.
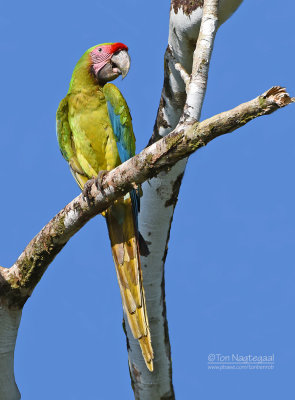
[
  {"x": 124, "y": 152},
  {"x": 118, "y": 129}
]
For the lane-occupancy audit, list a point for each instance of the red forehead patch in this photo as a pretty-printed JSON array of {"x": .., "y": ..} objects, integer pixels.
[{"x": 118, "y": 46}]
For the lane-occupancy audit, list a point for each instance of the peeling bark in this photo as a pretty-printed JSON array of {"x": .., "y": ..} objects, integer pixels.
[{"x": 187, "y": 6}]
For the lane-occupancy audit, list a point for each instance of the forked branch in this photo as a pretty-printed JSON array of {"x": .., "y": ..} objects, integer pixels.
[{"x": 18, "y": 282}]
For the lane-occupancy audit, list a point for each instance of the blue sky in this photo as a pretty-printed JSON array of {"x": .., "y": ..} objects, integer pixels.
[{"x": 230, "y": 267}]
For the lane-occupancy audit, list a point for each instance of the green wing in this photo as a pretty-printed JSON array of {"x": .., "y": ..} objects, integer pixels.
[
  {"x": 64, "y": 138},
  {"x": 63, "y": 130}
]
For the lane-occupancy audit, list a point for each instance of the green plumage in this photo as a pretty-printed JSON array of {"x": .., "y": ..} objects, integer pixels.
[
  {"x": 94, "y": 131},
  {"x": 84, "y": 130}
]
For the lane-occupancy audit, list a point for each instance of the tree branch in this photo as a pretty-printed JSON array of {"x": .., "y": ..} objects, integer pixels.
[
  {"x": 18, "y": 282},
  {"x": 201, "y": 60}
]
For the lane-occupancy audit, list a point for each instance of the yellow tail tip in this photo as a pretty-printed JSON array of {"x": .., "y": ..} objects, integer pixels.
[
  {"x": 147, "y": 351},
  {"x": 150, "y": 365}
]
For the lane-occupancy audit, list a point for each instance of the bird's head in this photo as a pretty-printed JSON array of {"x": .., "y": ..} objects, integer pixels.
[{"x": 108, "y": 61}]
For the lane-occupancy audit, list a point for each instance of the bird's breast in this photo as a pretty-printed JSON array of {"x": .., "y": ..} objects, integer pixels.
[{"x": 92, "y": 133}]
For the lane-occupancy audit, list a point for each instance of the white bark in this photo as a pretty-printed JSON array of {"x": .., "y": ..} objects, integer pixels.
[
  {"x": 158, "y": 384},
  {"x": 202, "y": 55},
  {"x": 160, "y": 197},
  {"x": 10, "y": 320}
]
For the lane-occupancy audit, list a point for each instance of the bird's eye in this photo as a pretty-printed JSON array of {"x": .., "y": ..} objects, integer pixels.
[{"x": 99, "y": 49}]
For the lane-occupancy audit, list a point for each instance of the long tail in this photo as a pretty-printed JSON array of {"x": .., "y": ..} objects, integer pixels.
[{"x": 125, "y": 248}]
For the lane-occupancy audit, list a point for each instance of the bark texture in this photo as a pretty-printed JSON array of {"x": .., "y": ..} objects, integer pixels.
[
  {"x": 161, "y": 193},
  {"x": 18, "y": 282},
  {"x": 160, "y": 167},
  {"x": 9, "y": 324}
]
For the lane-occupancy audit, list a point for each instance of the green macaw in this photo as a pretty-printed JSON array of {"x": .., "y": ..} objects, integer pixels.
[{"x": 94, "y": 131}]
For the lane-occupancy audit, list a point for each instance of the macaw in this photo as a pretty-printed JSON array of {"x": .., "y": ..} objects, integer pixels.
[{"x": 94, "y": 131}]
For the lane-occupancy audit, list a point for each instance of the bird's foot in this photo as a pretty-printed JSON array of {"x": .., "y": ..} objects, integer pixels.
[
  {"x": 87, "y": 188},
  {"x": 97, "y": 181}
]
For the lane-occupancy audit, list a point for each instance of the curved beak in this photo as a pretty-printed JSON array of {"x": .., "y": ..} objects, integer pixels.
[{"x": 121, "y": 62}]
